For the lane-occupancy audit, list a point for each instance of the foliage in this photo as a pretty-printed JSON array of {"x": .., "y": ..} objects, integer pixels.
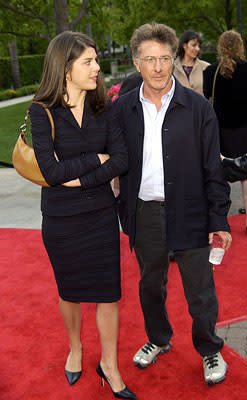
[
  {"x": 210, "y": 17},
  {"x": 5, "y": 72},
  {"x": 105, "y": 64},
  {"x": 35, "y": 21},
  {"x": 30, "y": 70},
  {"x": 100, "y": 20},
  {"x": 11, "y": 118},
  {"x": 210, "y": 57},
  {"x": 23, "y": 91}
]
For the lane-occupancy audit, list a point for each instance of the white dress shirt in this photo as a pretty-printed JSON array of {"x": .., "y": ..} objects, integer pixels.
[{"x": 152, "y": 181}]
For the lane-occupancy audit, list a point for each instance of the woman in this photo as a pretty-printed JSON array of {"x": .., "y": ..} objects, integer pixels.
[
  {"x": 188, "y": 68},
  {"x": 80, "y": 227},
  {"x": 230, "y": 96}
]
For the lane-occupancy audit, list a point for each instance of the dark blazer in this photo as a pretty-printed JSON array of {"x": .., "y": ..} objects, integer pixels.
[
  {"x": 196, "y": 193},
  {"x": 77, "y": 148},
  {"x": 230, "y": 100}
]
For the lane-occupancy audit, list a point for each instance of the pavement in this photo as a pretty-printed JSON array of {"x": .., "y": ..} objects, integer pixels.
[
  {"x": 17, "y": 100},
  {"x": 20, "y": 208}
]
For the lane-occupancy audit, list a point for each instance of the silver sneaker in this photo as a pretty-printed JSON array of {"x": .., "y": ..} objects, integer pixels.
[
  {"x": 214, "y": 369},
  {"x": 147, "y": 354}
]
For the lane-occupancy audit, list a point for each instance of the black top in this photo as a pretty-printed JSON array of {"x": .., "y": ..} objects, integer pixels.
[
  {"x": 230, "y": 100},
  {"x": 77, "y": 148}
]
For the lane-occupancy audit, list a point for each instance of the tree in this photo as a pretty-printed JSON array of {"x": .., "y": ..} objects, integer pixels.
[
  {"x": 51, "y": 16},
  {"x": 14, "y": 63},
  {"x": 239, "y": 14},
  {"x": 211, "y": 17},
  {"x": 19, "y": 19}
]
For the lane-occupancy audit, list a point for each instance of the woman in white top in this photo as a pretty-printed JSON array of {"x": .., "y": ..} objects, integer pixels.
[{"x": 188, "y": 68}]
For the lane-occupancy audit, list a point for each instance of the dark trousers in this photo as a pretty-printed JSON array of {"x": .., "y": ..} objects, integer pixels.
[{"x": 197, "y": 277}]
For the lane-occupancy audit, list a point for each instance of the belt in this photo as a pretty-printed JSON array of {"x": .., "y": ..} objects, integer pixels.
[{"x": 160, "y": 203}]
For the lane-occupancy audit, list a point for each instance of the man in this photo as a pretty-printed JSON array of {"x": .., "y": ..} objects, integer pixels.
[{"x": 173, "y": 197}]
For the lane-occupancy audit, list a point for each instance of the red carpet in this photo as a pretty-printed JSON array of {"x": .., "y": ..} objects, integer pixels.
[{"x": 34, "y": 345}]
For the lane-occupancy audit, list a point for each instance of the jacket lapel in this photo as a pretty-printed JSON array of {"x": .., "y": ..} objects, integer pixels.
[
  {"x": 67, "y": 115},
  {"x": 179, "y": 97}
]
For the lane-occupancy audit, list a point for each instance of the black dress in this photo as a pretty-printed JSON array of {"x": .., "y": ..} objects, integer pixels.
[
  {"x": 230, "y": 104},
  {"x": 80, "y": 227}
]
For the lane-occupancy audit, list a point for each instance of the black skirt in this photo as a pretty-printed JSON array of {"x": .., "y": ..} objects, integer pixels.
[{"x": 84, "y": 251}]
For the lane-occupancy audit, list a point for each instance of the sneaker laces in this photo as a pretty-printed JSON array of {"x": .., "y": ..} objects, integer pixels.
[
  {"x": 212, "y": 361},
  {"x": 148, "y": 348}
]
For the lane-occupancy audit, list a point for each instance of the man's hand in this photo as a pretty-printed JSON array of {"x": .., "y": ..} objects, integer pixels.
[{"x": 225, "y": 236}]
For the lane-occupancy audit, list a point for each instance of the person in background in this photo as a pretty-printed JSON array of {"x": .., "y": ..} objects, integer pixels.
[
  {"x": 230, "y": 97},
  {"x": 129, "y": 83},
  {"x": 174, "y": 196},
  {"x": 80, "y": 226},
  {"x": 188, "y": 68}
]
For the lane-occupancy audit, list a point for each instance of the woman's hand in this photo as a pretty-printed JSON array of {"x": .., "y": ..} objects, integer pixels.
[
  {"x": 73, "y": 183},
  {"x": 103, "y": 158}
]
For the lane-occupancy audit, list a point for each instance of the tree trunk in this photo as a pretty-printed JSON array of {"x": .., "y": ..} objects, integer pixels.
[
  {"x": 228, "y": 14},
  {"x": 239, "y": 14},
  {"x": 14, "y": 64},
  {"x": 61, "y": 16},
  {"x": 109, "y": 46}
]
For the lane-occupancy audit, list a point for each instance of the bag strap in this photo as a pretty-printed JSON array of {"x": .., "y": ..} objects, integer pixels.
[
  {"x": 213, "y": 89},
  {"x": 23, "y": 127}
]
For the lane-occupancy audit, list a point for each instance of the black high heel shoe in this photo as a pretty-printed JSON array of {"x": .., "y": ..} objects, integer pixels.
[
  {"x": 72, "y": 377},
  {"x": 123, "y": 394}
]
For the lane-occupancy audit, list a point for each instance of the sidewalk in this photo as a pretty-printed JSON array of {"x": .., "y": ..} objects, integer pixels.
[{"x": 17, "y": 100}]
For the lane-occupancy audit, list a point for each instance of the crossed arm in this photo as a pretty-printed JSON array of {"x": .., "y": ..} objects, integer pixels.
[{"x": 76, "y": 182}]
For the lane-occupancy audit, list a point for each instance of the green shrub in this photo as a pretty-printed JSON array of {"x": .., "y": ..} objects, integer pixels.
[
  {"x": 30, "y": 70},
  {"x": 105, "y": 64},
  {"x": 209, "y": 57},
  {"x": 5, "y": 73},
  {"x": 7, "y": 94},
  {"x": 23, "y": 91},
  {"x": 124, "y": 67}
]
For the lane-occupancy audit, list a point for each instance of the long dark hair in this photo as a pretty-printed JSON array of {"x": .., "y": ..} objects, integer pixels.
[
  {"x": 62, "y": 51},
  {"x": 185, "y": 38}
]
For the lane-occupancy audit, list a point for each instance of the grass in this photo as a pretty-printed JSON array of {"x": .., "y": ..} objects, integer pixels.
[{"x": 11, "y": 118}]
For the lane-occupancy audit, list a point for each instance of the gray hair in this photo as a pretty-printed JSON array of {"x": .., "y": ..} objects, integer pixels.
[{"x": 154, "y": 31}]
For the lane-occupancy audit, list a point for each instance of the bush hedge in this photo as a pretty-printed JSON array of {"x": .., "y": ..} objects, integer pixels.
[
  {"x": 23, "y": 91},
  {"x": 5, "y": 73},
  {"x": 105, "y": 64},
  {"x": 31, "y": 69}
]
